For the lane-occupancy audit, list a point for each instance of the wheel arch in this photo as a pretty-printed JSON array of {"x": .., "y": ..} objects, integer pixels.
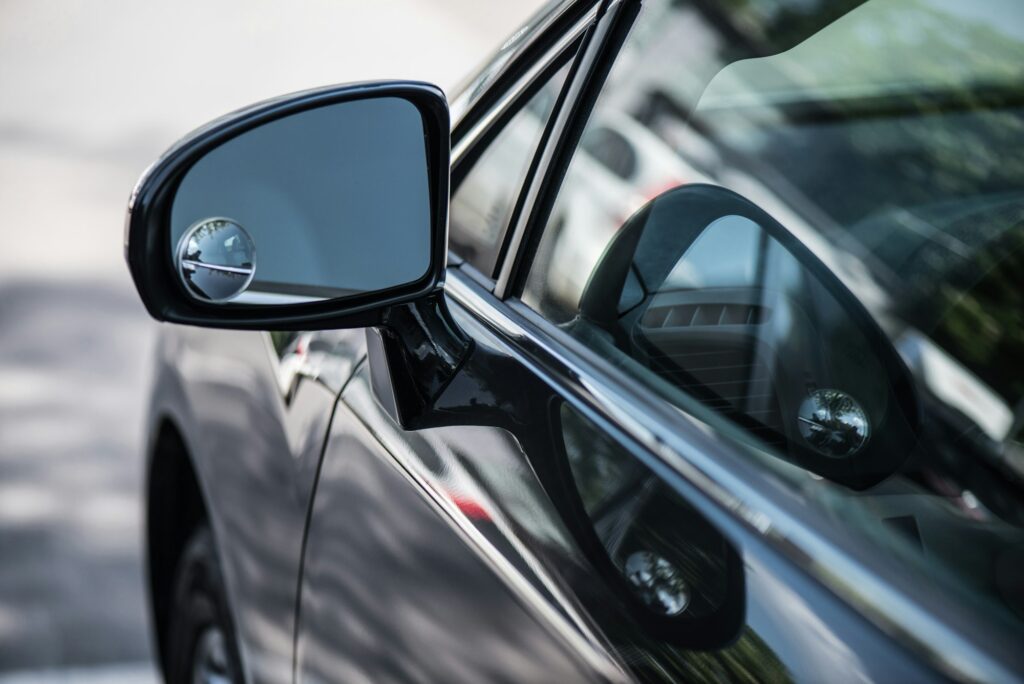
[{"x": 175, "y": 508}]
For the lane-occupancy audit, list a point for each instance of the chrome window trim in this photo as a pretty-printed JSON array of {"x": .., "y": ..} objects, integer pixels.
[
  {"x": 725, "y": 484},
  {"x": 480, "y": 82},
  {"x": 501, "y": 112},
  {"x": 510, "y": 98},
  {"x": 565, "y": 117}
]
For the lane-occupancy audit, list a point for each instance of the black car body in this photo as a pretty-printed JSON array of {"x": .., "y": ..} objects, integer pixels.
[{"x": 540, "y": 514}]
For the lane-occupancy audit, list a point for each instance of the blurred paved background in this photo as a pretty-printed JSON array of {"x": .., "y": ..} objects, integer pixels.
[{"x": 90, "y": 94}]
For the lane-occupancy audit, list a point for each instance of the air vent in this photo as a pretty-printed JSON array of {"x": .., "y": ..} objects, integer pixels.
[
  {"x": 692, "y": 315},
  {"x": 729, "y": 380}
]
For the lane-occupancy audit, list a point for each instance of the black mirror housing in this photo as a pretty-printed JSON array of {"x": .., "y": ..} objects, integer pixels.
[{"x": 150, "y": 246}]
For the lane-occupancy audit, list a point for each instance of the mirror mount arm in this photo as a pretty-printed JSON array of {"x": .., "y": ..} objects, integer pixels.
[{"x": 414, "y": 354}]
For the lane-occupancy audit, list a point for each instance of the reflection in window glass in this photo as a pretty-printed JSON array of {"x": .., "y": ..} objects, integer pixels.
[
  {"x": 677, "y": 567},
  {"x": 482, "y": 204},
  {"x": 856, "y": 305},
  {"x": 638, "y": 518},
  {"x": 724, "y": 255}
]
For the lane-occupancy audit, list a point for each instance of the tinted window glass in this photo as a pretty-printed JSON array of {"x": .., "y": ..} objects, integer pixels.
[
  {"x": 481, "y": 205},
  {"x": 823, "y": 257}
]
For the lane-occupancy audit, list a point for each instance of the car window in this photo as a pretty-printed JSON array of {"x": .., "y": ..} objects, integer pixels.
[
  {"x": 823, "y": 256},
  {"x": 481, "y": 205}
]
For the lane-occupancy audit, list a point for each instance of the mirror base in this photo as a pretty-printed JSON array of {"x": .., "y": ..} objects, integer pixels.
[{"x": 413, "y": 355}]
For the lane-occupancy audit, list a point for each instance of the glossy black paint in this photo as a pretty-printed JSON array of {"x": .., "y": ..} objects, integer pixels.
[
  {"x": 147, "y": 248},
  {"x": 390, "y": 593},
  {"x": 253, "y": 458},
  {"x": 493, "y": 477}
]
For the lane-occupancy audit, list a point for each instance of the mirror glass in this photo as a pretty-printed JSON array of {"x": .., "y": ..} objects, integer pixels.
[{"x": 325, "y": 203}]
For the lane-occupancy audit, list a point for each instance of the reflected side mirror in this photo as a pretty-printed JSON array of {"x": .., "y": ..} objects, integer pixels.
[
  {"x": 677, "y": 578},
  {"x": 714, "y": 301}
]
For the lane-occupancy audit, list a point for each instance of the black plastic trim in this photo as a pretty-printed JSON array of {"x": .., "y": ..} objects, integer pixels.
[
  {"x": 571, "y": 56},
  {"x": 413, "y": 355},
  {"x": 596, "y": 58},
  {"x": 466, "y": 162}
]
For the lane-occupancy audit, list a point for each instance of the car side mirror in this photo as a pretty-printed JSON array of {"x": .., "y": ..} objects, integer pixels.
[{"x": 315, "y": 210}]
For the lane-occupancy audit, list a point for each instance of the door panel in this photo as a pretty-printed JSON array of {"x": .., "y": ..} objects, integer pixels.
[
  {"x": 393, "y": 592},
  {"x": 256, "y": 455},
  {"x": 527, "y": 546}
]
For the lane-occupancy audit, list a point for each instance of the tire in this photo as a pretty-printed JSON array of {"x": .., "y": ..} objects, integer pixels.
[{"x": 201, "y": 638}]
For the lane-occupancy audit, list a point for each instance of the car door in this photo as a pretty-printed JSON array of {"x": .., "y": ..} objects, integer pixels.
[{"x": 528, "y": 544}]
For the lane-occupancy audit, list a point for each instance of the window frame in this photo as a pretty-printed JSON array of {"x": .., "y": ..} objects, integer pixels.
[
  {"x": 555, "y": 46},
  {"x": 585, "y": 82}
]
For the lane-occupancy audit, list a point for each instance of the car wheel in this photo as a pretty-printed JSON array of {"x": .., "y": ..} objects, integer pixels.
[{"x": 201, "y": 645}]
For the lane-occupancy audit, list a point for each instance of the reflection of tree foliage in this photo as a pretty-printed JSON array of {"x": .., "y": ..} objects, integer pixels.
[
  {"x": 983, "y": 321},
  {"x": 958, "y": 138},
  {"x": 915, "y": 159},
  {"x": 853, "y": 155},
  {"x": 778, "y": 25},
  {"x": 281, "y": 339},
  {"x": 888, "y": 151},
  {"x": 749, "y": 659}
]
